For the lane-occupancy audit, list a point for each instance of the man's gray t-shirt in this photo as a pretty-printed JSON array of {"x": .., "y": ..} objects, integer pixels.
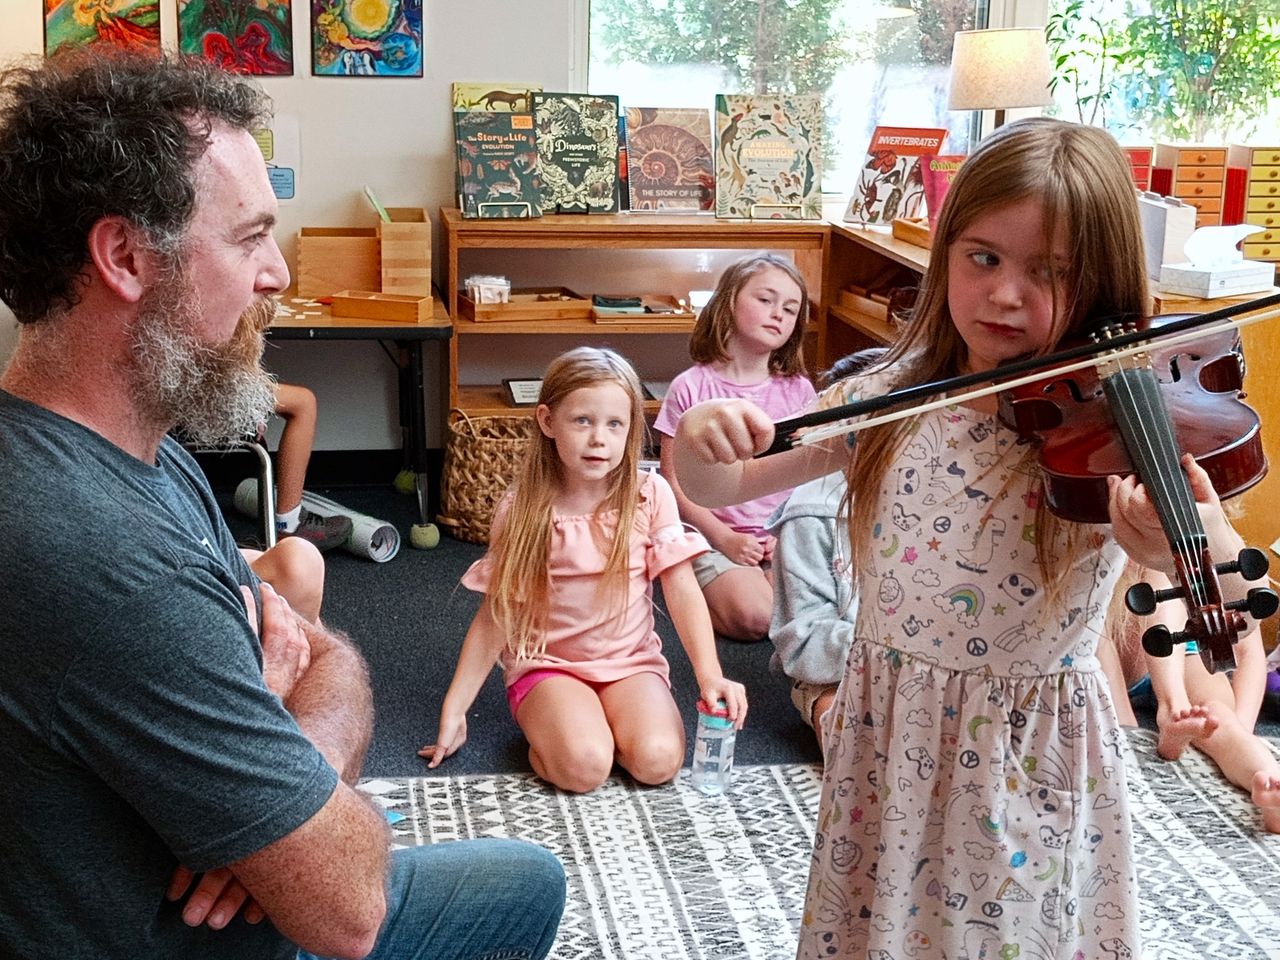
[{"x": 136, "y": 732}]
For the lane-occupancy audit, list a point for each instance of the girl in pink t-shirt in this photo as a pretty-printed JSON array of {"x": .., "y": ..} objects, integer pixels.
[
  {"x": 746, "y": 344},
  {"x": 568, "y": 582}
]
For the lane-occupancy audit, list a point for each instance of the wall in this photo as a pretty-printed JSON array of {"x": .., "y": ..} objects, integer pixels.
[{"x": 394, "y": 135}]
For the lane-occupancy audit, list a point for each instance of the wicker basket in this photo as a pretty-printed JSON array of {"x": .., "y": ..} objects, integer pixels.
[{"x": 480, "y": 459}]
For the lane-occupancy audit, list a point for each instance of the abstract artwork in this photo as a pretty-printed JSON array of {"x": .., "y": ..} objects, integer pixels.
[
  {"x": 241, "y": 36},
  {"x": 133, "y": 24},
  {"x": 370, "y": 38}
]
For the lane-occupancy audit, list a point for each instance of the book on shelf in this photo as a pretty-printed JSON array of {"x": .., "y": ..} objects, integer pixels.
[
  {"x": 936, "y": 173},
  {"x": 577, "y": 136},
  {"x": 890, "y": 183},
  {"x": 492, "y": 97},
  {"x": 497, "y": 158},
  {"x": 669, "y": 165},
  {"x": 768, "y": 156}
]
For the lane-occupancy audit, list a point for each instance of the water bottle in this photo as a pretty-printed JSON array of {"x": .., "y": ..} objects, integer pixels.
[{"x": 713, "y": 749}]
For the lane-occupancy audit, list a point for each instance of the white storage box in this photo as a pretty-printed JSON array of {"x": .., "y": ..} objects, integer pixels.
[{"x": 1244, "y": 276}]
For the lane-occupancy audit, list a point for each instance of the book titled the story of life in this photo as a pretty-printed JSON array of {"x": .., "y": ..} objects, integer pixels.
[
  {"x": 492, "y": 97},
  {"x": 497, "y": 165},
  {"x": 890, "y": 183},
  {"x": 577, "y": 136},
  {"x": 669, "y": 159},
  {"x": 768, "y": 156}
]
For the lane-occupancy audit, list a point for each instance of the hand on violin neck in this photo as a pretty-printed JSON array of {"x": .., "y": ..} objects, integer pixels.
[{"x": 1137, "y": 527}]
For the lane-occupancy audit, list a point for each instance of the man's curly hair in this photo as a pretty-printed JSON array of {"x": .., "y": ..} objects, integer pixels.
[{"x": 93, "y": 135}]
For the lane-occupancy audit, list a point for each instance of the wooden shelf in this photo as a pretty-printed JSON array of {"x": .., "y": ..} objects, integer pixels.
[
  {"x": 807, "y": 240},
  {"x": 468, "y": 327},
  {"x": 490, "y": 400},
  {"x": 873, "y": 327}
]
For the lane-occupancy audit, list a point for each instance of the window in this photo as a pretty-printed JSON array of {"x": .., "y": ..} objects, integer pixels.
[
  {"x": 876, "y": 63},
  {"x": 1167, "y": 70}
]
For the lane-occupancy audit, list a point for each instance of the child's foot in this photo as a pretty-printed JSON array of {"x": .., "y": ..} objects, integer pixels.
[
  {"x": 1266, "y": 795},
  {"x": 1181, "y": 728}
]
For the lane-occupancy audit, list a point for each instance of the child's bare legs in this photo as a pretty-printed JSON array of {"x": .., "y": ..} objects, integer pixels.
[
  {"x": 741, "y": 603},
  {"x": 297, "y": 407},
  {"x": 295, "y": 569},
  {"x": 571, "y": 731},
  {"x": 1243, "y": 758}
]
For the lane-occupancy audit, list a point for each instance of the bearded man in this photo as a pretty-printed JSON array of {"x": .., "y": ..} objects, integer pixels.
[{"x": 177, "y": 746}]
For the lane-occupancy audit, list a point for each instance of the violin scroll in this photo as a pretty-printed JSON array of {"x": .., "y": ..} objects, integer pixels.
[{"x": 1213, "y": 618}]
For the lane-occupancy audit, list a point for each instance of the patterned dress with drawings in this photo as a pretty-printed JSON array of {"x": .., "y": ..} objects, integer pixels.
[{"x": 974, "y": 800}]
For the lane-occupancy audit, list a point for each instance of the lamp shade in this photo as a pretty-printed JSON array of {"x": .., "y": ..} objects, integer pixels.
[{"x": 997, "y": 69}]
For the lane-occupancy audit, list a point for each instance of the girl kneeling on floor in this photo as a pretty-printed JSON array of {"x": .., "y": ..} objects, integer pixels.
[{"x": 568, "y": 600}]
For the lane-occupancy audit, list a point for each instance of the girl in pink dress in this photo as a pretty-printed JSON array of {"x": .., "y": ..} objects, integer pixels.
[{"x": 568, "y": 582}]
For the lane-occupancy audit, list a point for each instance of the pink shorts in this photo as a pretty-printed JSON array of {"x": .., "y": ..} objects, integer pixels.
[{"x": 517, "y": 691}]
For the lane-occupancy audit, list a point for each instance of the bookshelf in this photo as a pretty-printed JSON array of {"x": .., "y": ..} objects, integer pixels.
[{"x": 806, "y": 240}]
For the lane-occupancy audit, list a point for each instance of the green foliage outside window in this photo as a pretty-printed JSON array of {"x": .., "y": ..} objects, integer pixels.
[
  {"x": 1198, "y": 70},
  {"x": 763, "y": 46}
]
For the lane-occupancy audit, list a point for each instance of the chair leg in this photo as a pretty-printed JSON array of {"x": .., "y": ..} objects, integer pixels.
[{"x": 266, "y": 494}]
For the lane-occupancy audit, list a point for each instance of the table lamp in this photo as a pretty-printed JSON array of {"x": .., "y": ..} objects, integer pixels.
[{"x": 999, "y": 69}]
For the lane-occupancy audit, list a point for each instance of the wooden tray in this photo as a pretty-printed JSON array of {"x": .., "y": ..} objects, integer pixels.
[
  {"x": 660, "y": 309},
  {"x": 529, "y": 303},
  {"x": 387, "y": 307},
  {"x": 915, "y": 232}
]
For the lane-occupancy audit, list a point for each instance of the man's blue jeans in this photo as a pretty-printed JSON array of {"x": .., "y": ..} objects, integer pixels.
[{"x": 471, "y": 900}]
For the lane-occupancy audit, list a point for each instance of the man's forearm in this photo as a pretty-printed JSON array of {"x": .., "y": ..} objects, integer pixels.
[{"x": 333, "y": 702}]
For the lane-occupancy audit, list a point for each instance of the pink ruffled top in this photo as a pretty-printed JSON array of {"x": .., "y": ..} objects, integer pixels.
[{"x": 589, "y": 636}]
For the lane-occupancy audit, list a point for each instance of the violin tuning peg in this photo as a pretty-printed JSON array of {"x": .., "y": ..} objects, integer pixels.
[
  {"x": 1140, "y": 599},
  {"x": 1253, "y": 564},
  {"x": 1157, "y": 641},
  {"x": 1261, "y": 602}
]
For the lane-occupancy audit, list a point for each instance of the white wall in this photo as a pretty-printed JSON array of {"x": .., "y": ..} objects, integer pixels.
[{"x": 396, "y": 136}]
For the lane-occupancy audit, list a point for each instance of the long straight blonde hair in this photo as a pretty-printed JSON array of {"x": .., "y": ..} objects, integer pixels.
[
  {"x": 1082, "y": 179},
  {"x": 520, "y": 587}
]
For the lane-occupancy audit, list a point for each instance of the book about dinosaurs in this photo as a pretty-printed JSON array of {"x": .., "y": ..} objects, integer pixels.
[
  {"x": 891, "y": 184},
  {"x": 577, "y": 137},
  {"x": 768, "y": 156},
  {"x": 497, "y": 165},
  {"x": 669, "y": 165}
]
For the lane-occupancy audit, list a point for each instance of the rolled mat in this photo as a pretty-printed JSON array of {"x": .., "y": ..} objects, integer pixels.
[{"x": 370, "y": 539}]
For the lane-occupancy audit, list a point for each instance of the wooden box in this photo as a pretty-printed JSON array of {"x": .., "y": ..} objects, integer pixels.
[
  {"x": 406, "y": 252},
  {"x": 387, "y": 307},
  {"x": 337, "y": 258},
  {"x": 529, "y": 303},
  {"x": 915, "y": 232}
]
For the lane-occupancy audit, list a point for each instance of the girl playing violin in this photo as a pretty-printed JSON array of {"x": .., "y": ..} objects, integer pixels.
[{"x": 974, "y": 799}]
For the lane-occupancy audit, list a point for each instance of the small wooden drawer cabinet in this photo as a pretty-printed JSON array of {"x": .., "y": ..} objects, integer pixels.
[
  {"x": 1262, "y": 199},
  {"x": 1198, "y": 176}
]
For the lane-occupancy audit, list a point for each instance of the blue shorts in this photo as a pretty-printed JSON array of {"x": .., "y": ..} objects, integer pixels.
[{"x": 1141, "y": 690}]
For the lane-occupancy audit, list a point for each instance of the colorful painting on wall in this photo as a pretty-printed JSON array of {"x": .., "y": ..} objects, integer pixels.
[
  {"x": 69, "y": 24},
  {"x": 366, "y": 38},
  {"x": 242, "y": 36}
]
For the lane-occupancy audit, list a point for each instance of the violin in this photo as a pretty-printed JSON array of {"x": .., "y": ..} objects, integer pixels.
[
  {"x": 1139, "y": 415},
  {"x": 1115, "y": 419}
]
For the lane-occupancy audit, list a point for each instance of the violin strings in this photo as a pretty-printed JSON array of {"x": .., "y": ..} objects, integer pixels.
[{"x": 1179, "y": 507}]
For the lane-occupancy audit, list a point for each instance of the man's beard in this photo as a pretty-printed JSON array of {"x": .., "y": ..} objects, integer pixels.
[{"x": 213, "y": 393}]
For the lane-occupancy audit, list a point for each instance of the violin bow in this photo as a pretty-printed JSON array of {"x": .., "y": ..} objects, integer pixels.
[{"x": 810, "y": 428}]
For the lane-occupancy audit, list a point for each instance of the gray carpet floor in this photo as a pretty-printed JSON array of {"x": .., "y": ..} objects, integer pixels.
[{"x": 409, "y": 615}]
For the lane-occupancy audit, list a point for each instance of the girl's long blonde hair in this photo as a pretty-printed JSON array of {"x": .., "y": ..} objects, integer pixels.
[
  {"x": 1082, "y": 179},
  {"x": 709, "y": 342},
  {"x": 520, "y": 586}
]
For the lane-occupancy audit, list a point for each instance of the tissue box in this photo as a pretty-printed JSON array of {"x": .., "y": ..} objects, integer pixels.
[{"x": 1246, "y": 276}]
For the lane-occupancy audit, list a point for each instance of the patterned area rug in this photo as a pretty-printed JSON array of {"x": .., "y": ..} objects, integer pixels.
[{"x": 667, "y": 874}]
